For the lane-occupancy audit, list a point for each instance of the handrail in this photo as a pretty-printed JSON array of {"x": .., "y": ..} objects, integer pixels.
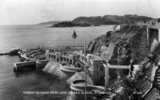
[{"x": 119, "y": 66}]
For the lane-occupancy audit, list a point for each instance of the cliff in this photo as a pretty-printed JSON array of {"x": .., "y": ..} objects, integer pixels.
[{"x": 130, "y": 43}]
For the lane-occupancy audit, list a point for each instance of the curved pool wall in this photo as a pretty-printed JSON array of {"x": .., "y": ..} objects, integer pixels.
[
  {"x": 78, "y": 91},
  {"x": 79, "y": 76},
  {"x": 54, "y": 69}
]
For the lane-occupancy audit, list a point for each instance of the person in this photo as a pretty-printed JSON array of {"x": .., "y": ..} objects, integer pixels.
[{"x": 131, "y": 68}]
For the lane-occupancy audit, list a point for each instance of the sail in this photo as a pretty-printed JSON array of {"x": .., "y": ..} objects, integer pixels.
[{"x": 74, "y": 35}]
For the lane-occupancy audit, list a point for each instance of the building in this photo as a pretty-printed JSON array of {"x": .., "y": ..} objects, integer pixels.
[{"x": 153, "y": 32}]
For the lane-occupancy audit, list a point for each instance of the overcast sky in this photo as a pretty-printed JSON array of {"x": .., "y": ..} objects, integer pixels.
[{"x": 35, "y": 11}]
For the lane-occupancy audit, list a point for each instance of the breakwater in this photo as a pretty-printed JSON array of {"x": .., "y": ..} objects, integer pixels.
[{"x": 13, "y": 52}]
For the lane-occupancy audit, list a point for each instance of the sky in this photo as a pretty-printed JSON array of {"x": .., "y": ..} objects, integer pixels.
[{"x": 36, "y": 11}]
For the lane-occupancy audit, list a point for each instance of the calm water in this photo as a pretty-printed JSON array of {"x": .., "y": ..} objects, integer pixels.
[{"x": 12, "y": 86}]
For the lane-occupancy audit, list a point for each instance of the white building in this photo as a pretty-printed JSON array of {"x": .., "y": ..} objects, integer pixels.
[{"x": 153, "y": 32}]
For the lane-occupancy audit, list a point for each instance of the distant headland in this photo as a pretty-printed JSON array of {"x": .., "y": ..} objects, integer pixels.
[{"x": 100, "y": 20}]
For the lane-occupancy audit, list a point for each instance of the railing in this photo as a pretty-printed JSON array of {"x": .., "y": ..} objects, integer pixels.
[
  {"x": 107, "y": 66},
  {"x": 60, "y": 58}
]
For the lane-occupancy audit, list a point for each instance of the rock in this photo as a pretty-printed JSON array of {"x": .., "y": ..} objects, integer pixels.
[
  {"x": 13, "y": 52},
  {"x": 130, "y": 42}
]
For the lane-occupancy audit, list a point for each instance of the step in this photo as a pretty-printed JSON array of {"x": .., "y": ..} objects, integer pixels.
[
  {"x": 157, "y": 76},
  {"x": 158, "y": 84},
  {"x": 158, "y": 81},
  {"x": 158, "y": 87},
  {"x": 158, "y": 70}
]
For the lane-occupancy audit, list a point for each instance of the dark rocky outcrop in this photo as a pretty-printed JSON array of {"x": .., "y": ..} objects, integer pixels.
[{"x": 13, "y": 52}]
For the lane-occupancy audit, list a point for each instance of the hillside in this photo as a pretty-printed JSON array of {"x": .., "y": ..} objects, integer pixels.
[
  {"x": 69, "y": 24},
  {"x": 130, "y": 42},
  {"x": 49, "y": 23},
  {"x": 103, "y": 20}
]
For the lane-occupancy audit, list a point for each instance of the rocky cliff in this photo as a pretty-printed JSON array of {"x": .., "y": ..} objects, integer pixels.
[{"x": 130, "y": 43}]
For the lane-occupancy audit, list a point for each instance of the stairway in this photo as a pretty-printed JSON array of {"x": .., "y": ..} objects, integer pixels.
[{"x": 157, "y": 79}]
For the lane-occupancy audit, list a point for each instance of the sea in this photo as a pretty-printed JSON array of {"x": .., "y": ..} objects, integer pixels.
[{"x": 27, "y": 86}]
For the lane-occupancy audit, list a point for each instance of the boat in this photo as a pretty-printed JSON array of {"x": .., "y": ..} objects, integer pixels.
[{"x": 74, "y": 35}]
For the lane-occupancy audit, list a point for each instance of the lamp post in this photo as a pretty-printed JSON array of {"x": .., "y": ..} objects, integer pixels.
[{"x": 106, "y": 66}]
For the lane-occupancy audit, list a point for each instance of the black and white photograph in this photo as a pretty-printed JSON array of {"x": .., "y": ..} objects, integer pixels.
[{"x": 79, "y": 49}]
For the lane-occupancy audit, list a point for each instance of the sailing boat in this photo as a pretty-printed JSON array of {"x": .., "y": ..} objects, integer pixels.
[{"x": 74, "y": 35}]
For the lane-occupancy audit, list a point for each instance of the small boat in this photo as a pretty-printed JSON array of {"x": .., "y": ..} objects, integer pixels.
[{"x": 74, "y": 35}]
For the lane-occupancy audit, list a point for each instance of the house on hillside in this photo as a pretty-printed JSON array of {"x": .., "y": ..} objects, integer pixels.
[{"x": 153, "y": 32}]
